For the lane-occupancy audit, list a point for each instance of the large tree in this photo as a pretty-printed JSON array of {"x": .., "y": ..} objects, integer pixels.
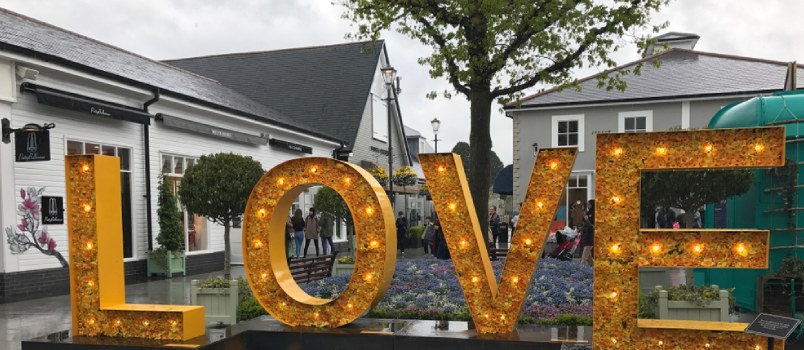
[
  {"x": 218, "y": 187},
  {"x": 494, "y": 49},
  {"x": 465, "y": 151}
]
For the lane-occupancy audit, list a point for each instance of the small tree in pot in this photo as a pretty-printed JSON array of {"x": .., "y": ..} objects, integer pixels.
[
  {"x": 218, "y": 187},
  {"x": 169, "y": 257}
]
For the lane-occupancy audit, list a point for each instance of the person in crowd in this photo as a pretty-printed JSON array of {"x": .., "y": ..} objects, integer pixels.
[
  {"x": 427, "y": 237},
  {"x": 576, "y": 215},
  {"x": 401, "y": 231},
  {"x": 441, "y": 250},
  {"x": 298, "y": 230},
  {"x": 326, "y": 224},
  {"x": 289, "y": 244},
  {"x": 311, "y": 231},
  {"x": 494, "y": 225},
  {"x": 587, "y": 241}
]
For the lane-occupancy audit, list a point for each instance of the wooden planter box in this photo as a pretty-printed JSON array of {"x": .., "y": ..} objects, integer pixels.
[
  {"x": 342, "y": 269},
  {"x": 717, "y": 310},
  {"x": 220, "y": 304},
  {"x": 175, "y": 263}
]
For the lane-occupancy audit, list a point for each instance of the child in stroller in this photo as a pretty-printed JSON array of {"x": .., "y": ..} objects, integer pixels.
[{"x": 568, "y": 241}]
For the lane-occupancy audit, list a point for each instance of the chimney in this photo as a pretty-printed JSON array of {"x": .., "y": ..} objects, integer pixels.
[
  {"x": 672, "y": 40},
  {"x": 790, "y": 80}
]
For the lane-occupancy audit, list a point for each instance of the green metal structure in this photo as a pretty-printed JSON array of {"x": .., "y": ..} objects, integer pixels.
[{"x": 776, "y": 200}]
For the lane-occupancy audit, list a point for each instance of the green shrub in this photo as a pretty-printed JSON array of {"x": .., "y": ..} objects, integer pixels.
[
  {"x": 248, "y": 309},
  {"x": 416, "y": 232},
  {"x": 568, "y": 320},
  {"x": 347, "y": 259},
  {"x": 171, "y": 233}
]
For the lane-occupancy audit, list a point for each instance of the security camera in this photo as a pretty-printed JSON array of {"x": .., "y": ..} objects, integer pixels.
[{"x": 27, "y": 73}]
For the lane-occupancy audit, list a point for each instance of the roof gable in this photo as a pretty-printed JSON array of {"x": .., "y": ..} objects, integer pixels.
[
  {"x": 326, "y": 87},
  {"x": 681, "y": 73}
]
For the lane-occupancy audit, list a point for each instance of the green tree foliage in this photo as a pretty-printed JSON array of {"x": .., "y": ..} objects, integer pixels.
[
  {"x": 329, "y": 201},
  {"x": 171, "y": 234},
  {"x": 218, "y": 187},
  {"x": 492, "y": 50},
  {"x": 689, "y": 190},
  {"x": 463, "y": 149}
]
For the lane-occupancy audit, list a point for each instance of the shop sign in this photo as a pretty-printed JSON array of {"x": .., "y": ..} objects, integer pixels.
[{"x": 32, "y": 146}]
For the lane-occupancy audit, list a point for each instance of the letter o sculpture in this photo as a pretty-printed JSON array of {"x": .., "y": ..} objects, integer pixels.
[{"x": 264, "y": 249}]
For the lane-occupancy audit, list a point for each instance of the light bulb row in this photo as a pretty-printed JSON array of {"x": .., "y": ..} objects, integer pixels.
[
  {"x": 706, "y": 148},
  {"x": 119, "y": 323}
]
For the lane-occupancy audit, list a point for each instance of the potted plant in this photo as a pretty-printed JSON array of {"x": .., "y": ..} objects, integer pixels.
[
  {"x": 415, "y": 240},
  {"x": 218, "y": 296},
  {"x": 344, "y": 265},
  {"x": 169, "y": 257},
  {"x": 704, "y": 303}
]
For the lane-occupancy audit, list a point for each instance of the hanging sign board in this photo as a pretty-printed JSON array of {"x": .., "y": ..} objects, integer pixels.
[
  {"x": 32, "y": 146},
  {"x": 52, "y": 210}
]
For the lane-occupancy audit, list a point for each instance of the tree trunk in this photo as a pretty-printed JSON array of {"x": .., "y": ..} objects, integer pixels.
[
  {"x": 480, "y": 153},
  {"x": 227, "y": 252}
]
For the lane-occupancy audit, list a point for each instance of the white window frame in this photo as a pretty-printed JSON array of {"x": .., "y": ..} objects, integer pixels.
[
  {"x": 563, "y": 118},
  {"x": 379, "y": 135},
  {"x": 184, "y": 211},
  {"x": 633, "y": 114}
]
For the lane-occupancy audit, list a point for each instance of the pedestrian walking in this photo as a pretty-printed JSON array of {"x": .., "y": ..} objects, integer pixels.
[
  {"x": 311, "y": 231},
  {"x": 326, "y": 223},
  {"x": 298, "y": 230},
  {"x": 427, "y": 237},
  {"x": 402, "y": 234}
]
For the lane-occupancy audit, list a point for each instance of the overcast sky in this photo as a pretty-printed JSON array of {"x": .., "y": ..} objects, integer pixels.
[{"x": 168, "y": 29}]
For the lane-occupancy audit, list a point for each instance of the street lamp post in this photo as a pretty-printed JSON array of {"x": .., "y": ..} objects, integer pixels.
[
  {"x": 436, "y": 124},
  {"x": 388, "y": 76}
]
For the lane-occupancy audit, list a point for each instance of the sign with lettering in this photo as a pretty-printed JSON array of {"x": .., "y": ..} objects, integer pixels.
[
  {"x": 32, "y": 146},
  {"x": 291, "y": 146},
  {"x": 773, "y": 326},
  {"x": 52, "y": 210}
]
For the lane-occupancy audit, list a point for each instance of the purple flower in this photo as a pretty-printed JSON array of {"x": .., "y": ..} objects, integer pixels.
[
  {"x": 23, "y": 225},
  {"x": 51, "y": 245},
  {"x": 31, "y": 206},
  {"x": 22, "y": 193},
  {"x": 43, "y": 238}
]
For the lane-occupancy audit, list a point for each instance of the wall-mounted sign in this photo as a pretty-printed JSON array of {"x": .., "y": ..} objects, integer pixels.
[
  {"x": 32, "y": 146},
  {"x": 290, "y": 146},
  {"x": 52, "y": 210},
  {"x": 773, "y": 326},
  {"x": 206, "y": 129}
]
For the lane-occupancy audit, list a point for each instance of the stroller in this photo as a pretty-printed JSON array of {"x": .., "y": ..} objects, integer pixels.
[{"x": 568, "y": 241}]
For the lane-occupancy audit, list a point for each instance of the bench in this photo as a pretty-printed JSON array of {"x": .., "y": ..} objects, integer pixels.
[
  {"x": 310, "y": 269},
  {"x": 496, "y": 253}
]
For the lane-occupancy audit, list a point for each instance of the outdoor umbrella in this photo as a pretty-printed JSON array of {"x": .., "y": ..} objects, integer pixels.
[{"x": 504, "y": 181}]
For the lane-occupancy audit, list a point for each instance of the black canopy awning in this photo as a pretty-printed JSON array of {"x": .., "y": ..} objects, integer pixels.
[
  {"x": 75, "y": 102},
  {"x": 206, "y": 129},
  {"x": 504, "y": 181}
]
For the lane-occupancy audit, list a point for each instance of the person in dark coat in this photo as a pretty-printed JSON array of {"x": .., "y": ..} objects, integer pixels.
[
  {"x": 401, "y": 231},
  {"x": 441, "y": 249}
]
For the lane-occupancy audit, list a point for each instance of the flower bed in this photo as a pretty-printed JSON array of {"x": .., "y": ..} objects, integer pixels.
[{"x": 560, "y": 293}]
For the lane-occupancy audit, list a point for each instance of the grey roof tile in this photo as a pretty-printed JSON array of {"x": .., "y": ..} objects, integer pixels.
[
  {"x": 33, "y": 37},
  {"x": 681, "y": 73},
  {"x": 326, "y": 87}
]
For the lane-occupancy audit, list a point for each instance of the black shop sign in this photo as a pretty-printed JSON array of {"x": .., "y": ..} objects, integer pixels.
[
  {"x": 52, "y": 210},
  {"x": 32, "y": 146}
]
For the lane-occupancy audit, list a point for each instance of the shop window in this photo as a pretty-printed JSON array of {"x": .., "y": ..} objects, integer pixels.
[
  {"x": 195, "y": 226},
  {"x": 79, "y": 147},
  {"x": 379, "y": 114}
]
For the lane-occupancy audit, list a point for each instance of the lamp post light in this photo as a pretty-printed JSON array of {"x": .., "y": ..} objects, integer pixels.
[
  {"x": 388, "y": 76},
  {"x": 436, "y": 124}
]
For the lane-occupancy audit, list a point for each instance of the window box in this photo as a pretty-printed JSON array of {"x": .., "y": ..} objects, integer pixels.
[
  {"x": 166, "y": 263},
  {"x": 716, "y": 310},
  {"x": 220, "y": 304}
]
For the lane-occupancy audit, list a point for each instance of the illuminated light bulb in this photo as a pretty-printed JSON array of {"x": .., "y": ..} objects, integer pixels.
[
  {"x": 349, "y": 305},
  {"x": 618, "y": 152},
  {"x": 369, "y": 210},
  {"x": 264, "y": 275},
  {"x": 263, "y": 213},
  {"x": 528, "y": 241},
  {"x": 91, "y": 321},
  {"x": 374, "y": 244},
  {"x": 540, "y": 205},
  {"x": 662, "y": 343},
  {"x": 87, "y": 208},
  {"x": 118, "y": 323},
  {"x": 281, "y": 181},
  {"x": 464, "y": 244},
  {"x": 314, "y": 170},
  {"x": 553, "y": 165},
  {"x": 759, "y": 147},
  {"x": 368, "y": 277},
  {"x": 613, "y": 295},
  {"x": 85, "y": 167},
  {"x": 442, "y": 169},
  {"x": 615, "y": 248},
  {"x": 283, "y": 303},
  {"x": 616, "y": 199},
  {"x": 708, "y": 148},
  {"x": 475, "y": 279},
  {"x": 757, "y": 347},
  {"x": 486, "y": 315},
  {"x": 174, "y": 323},
  {"x": 707, "y": 345},
  {"x": 656, "y": 248},
  {"x": 453, "y": 206},
  {"x": 90, "y": 283},
  {"x": 146, "y": 323},
  {"x": 515, "y": 280},
  {"x": 661, "y": 151},
  {"x": 614, "y": 340},
  {"x": 698, "y": 248},
  {"x": 741, "y": 249},
  {"x": 89, "y": 246},
  {"x": 347, "y": 180},
  {"x": 257, "y": 244},
  {"x": 316, "y": 315},
  {"x": 502, "y": 317}
]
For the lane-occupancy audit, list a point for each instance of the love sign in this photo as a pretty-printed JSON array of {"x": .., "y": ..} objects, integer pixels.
[{"x": 621, "y": 247}]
